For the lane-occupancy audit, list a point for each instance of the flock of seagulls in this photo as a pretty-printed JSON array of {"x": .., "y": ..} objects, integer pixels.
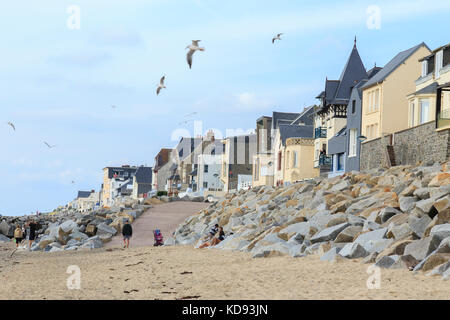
[
  {"x": 9, "y": 123},
  {"x": 193, "y": 47}
]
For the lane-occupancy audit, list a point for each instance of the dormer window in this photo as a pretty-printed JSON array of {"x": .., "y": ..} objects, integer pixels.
[
  {"x": 439, "y": 63},
  {"x": 424, "y": 68}
]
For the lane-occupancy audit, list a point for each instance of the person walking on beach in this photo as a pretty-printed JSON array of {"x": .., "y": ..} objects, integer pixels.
[
  {"x": 18, "y": 235},
  {"x": 32, "y": 234},
  {"x": 127, "y": 232}
]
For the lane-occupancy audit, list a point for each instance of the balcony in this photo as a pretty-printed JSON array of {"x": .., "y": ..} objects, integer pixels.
[
  {"x": 320, "y": 132},
  {"x": 325, "y": 160}
]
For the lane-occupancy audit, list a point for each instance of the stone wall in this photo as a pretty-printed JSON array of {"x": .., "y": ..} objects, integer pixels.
[{"x": 421, "y": 143}]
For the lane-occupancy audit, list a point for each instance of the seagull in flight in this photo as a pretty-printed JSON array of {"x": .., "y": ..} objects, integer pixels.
[
  {"x": 113, "y": 106},
  {"x": 185, "y": 122},
  {"x": 192, "y": 48},
  {"x": 278, "y": 37},
  {"x": 161, "y": 85},
  {"x": 49, "y": 146},
  {"x": 12, "y": 125}
]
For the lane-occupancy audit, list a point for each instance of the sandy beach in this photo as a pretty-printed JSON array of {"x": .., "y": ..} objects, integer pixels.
[{"x": 188, "y": 273}]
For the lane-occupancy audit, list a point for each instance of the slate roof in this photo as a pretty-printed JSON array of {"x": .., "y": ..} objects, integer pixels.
[
  {"x": 283, "y": 117},
  {"x": 306, "y": 117},
  {"x": 83, "y": 194},
  {"x": 338, "y": 91},
  {"x": 144, "y": 175},
  {"x": 428, "y": 89},
  {"x": 392, "y": 65},
  {"x": 294, "y": 131},
  {"x": 373, "y": 71}
]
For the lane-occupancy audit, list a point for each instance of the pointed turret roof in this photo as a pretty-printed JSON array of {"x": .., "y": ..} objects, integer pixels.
[{"x": 339, "y": 91}]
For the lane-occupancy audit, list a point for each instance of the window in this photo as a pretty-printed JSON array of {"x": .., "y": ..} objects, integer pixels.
[
  {"x": 205, "y": 168},
  {"x": 424, "y": 68},
  {"x": 424, "y": 110},
  {"x": 287, "y": 161},
  {"x": 412, "y": 113},
  {"x": 213, "y": 151},
  {"x": 352, "y": 143},
  {"x": 205, "y": 184},
  {"x": 353, "y": 106},
  {"x": 439, "y": 63},
  {"x": 180, "y": 153},
  {"x": 377, "y": 100},
  {"x": 279, "y": 160},
  {"x": 340, "y": 162},
  {"x": 294, "y": 159}
]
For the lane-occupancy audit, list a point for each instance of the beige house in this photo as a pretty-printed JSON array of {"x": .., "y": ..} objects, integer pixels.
[
  {"x": 385, "y": 106},
  {"x": 294, "y": 154},
  {"x": 86, "y": 200},
  {"x": 434, "y": 77},
  {"x": 263, "y": 160}
]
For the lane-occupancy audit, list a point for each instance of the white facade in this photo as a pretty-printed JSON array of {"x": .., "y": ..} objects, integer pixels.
[{"x": 208, "y": 172}]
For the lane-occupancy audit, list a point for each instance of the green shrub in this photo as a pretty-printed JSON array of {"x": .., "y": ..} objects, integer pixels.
[{"x": 161, "y": 193}]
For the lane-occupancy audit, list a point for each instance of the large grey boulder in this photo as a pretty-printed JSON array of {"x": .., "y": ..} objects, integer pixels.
[
  {"x": 377, "y": 246},
  {"x": 387, "y": 261},
  {"x": 93, "y": 243},
  {"x": 418, "y": 226},
  {"x": 331, "y": 254},
  {"x": 68, "y": 226},
  {"x": 420, "y": 249},
  {"x": 401, "y": 231},
  {"x": 444, "y": 246},
  {"x": 4, "y": 238},
  {"x": 104, "y": 229},
  {"x": 46, "y": 240},
  {"x": 370, "y": 226},
  {"x": 371, "y": 235},
  {"x": 6, "y": 229},
  {"x": 387, "y": 213},
  {"x": 407, "y": 203},
  {"x": 425, "y": 205},
  {"x": 329, "y": 234},
  {"x": 441, "y": 231},
  {"x": 296, "y": 251},
  {"x": 348, "y": 234},
  {"x": 353, "y": 250},
  {"x": 169, "y": 241}
]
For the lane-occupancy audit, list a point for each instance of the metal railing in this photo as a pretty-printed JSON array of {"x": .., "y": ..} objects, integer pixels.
[{"x": 325, "y": 160}]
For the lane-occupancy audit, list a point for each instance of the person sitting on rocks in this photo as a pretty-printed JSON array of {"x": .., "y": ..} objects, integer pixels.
[
  {"x": 214, "y": 241},
  {"x": 213, "y": 231},
  {"x": 18, "y": 235},
  {"x": 127, "y": 232}
]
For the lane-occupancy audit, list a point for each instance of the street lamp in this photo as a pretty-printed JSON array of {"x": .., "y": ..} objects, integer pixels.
[{"x": 362, "y": 138}]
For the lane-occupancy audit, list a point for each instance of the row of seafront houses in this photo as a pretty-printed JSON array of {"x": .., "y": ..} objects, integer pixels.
[{"x": 382, "y": 117}]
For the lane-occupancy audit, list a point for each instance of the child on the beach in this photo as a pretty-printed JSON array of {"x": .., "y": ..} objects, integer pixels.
[{"x": 18, "y": 235}]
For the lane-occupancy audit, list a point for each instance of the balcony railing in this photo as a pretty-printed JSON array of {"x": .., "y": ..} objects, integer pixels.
[
  {"x": 325, "y": 160},
  {"x": 320, "y": 132}
]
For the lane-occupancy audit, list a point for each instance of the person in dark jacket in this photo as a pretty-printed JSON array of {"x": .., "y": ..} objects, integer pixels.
[{"x": 127, "y": 232}]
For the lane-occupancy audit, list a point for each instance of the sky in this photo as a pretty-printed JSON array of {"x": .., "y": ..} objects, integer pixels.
[{"x": 59, "y": 79}]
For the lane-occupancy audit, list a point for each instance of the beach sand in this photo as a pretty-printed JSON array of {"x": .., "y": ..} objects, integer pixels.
[{"x": 184, "y": 272}]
